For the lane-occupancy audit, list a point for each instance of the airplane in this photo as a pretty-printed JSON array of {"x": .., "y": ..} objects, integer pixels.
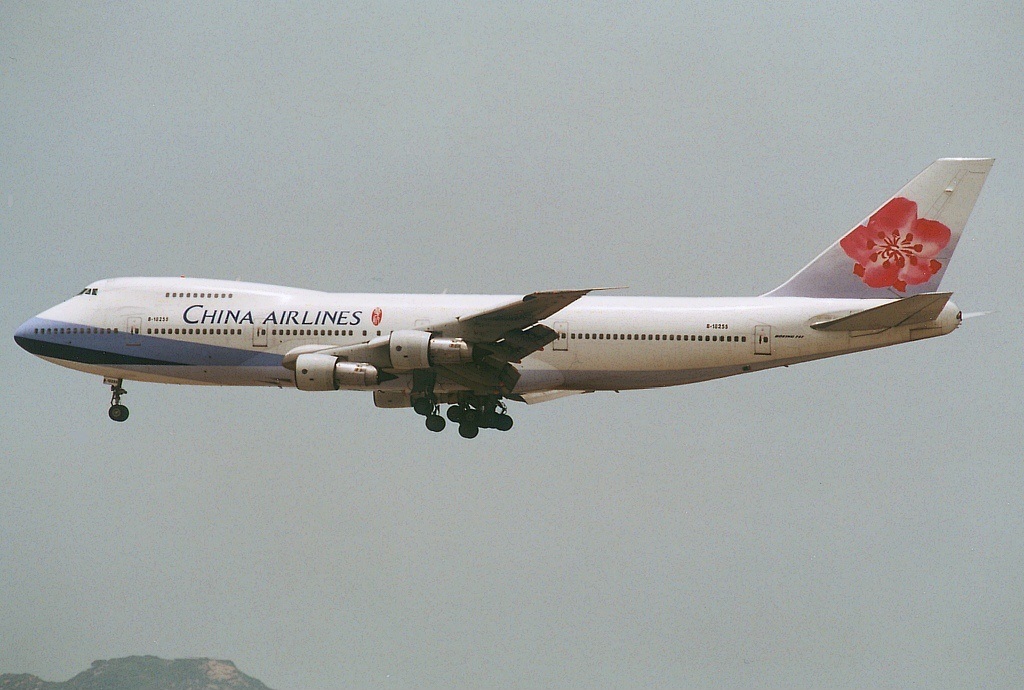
[{"x": 876, "y": 286}]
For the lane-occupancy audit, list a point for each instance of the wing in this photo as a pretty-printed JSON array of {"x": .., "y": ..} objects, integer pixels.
[
  {"x": 499, "y": 336},
  {"x": 502, "y": 335},
  {"x": 493, "y": 324}
]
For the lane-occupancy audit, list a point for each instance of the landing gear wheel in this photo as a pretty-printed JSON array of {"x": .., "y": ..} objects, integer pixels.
[
  {"x": 503, "y": 422},
  {"x": 455, "y": 413},
  {"x": 468, "y": 430},
  {"x": 117, "y": 411},
  {"x": 423, "y": 406},
  {"x": 435, "y": 422}
]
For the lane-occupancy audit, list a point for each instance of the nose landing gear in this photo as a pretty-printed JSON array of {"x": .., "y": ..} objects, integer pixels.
[{"x": 117, "y": 411}]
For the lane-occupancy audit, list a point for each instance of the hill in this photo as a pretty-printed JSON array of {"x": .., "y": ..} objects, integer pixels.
[{"x": 144, "y": 673}]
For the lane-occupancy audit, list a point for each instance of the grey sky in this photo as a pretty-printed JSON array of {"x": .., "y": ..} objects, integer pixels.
[{"x": 854, "y": 522}]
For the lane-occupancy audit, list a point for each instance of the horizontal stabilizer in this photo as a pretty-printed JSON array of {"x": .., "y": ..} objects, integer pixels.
[{"x": 904, "y": 312}]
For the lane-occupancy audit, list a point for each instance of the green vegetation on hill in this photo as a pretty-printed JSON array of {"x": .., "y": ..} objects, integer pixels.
[{"x": 144, "y": 673}]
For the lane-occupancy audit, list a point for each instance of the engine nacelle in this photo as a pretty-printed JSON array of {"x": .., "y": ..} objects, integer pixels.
[
  {"x": 318, "y": 372},
  {"x": 420, "y": 349}
]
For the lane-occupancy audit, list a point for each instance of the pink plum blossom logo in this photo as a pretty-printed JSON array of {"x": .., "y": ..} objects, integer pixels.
[{"x": 896, "y": 248}]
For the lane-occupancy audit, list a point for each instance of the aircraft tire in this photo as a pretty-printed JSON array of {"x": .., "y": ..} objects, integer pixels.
[
  {"x": 503, "y": 422},
  {"x": 435, "y": 422},
  {"x": 468, "y": 430},
  {"x": 118, "y": 413},
  {"x": 455, "y": 413}
]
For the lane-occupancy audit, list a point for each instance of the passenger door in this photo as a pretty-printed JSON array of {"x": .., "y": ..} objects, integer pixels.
[
  {"x": 134, "y": 331},
  {"x": 762, "y": 340},
  {"x": 562, "y": 342}
]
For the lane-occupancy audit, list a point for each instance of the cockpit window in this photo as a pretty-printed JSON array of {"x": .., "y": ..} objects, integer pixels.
[{"x": 90, "y": 291}]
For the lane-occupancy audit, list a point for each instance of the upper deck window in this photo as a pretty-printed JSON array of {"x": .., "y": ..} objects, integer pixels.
[{"x": 200, "y": 295}]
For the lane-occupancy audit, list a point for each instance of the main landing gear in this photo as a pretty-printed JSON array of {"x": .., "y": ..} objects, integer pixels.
[
  {"x": 429, "y": 408},
  {"x": 472, "y": 415},
  {"x": 117, "y": 411}
]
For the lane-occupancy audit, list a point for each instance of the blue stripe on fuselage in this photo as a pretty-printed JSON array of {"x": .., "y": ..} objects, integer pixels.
[{"x": 114, "y": 348}]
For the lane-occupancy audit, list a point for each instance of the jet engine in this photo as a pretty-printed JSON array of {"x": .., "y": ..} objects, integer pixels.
[
  {"x": 420, "y": 350},
  {"x": 318, "y": 372}
]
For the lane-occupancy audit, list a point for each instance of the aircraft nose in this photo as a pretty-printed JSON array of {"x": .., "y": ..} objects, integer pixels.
[{"x": 23, "y": 335}]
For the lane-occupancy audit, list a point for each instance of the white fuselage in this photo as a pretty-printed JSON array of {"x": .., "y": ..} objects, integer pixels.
[{"x": 194, "y": 331}]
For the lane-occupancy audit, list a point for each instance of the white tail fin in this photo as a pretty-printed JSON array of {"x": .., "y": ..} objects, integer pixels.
[{"x": 904, "y": 247}]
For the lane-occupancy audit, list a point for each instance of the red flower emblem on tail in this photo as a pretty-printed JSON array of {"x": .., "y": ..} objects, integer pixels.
[{"x": 896, "y": 248}]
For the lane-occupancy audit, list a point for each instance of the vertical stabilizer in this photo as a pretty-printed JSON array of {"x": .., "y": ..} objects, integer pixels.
[{"x": 904, "y": 247}]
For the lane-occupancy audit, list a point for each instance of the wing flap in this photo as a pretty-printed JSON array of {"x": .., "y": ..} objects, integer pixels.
[
  {"x": 482, "y": 377},
  {"x": 515, "y": 345},
  {"x": 544, "y": 396},
  {"x": 903, "y": 312}
]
